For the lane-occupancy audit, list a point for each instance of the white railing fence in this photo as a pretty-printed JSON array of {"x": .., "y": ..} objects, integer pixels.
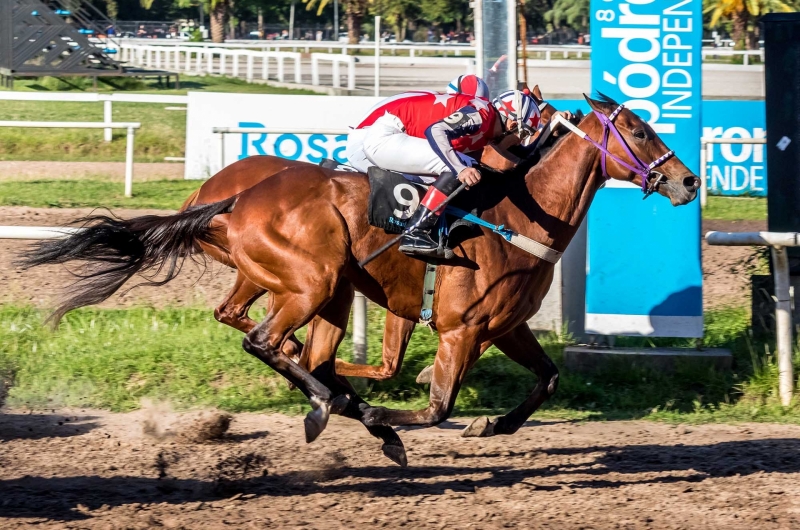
[
  {"x": 107, "y": 100},
  {"x": 335, "y": 59},
  {"x": 705, "y": 143},
  {"x": 777, "y": 241},
  {"x": 131, "y": 127},
  {"x": 208, "y": 60}
]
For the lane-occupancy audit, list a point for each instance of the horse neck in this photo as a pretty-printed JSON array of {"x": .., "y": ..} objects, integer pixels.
[{"x": 562, "y": 186}]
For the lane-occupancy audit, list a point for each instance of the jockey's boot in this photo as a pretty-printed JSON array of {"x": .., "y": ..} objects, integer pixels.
[{"x": 419, "y": 241}]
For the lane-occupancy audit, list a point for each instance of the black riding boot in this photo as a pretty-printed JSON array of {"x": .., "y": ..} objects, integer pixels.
[{"x": 419, "y": 241}]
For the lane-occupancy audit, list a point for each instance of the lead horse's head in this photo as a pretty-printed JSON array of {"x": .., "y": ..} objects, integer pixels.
[{"x": 632, "y": 151}]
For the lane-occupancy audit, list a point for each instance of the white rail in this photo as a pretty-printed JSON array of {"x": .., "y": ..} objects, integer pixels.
[
  {"x": 200, "y": 60},
  {"x": 106, "y": 99},
  {"x": 336, "y": 60},
  {"x": 130, "y": 126},
  {"x": 704, "y": 143},
  {"x": 777, "y": 241},
  {"x": 36, "y": 232}
]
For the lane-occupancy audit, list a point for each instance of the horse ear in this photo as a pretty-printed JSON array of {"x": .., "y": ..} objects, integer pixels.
[
  {"x": 596, "y": 105},
  {"x": 538, "y": 93}
]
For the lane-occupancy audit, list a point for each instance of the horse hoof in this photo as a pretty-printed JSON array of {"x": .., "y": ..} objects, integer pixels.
[
  {"x": 374, "y": 416},
  {"x": 396, "y": 453},
  {"x": 316, "y": 420},
  {"x": 479, "y": 428},
  {"x": 425, "y": 376}
]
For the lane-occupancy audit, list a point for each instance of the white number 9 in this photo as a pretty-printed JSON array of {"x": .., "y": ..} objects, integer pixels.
[{"x": 411, "y": 203}]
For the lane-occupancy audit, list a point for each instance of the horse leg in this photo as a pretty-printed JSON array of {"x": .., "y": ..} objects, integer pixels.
[
  {"x": 458, "y": 350},
  {"x": 396, "y": 334},
  {"x": 233, "y": 312},
  {"x": 521, "y": 346},
  {"x": 320, "y": 353}
]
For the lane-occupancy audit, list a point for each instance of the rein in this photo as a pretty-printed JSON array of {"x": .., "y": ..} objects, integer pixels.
[{"x": 636, "y": 166}]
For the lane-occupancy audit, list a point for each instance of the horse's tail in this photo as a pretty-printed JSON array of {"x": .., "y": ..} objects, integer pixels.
[{"x": 113, "y": 250}]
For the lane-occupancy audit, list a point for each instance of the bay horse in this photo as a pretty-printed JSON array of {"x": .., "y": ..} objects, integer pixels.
[
  {"x": 233, "y": 311},
  {"x": 300, "y": 234}
]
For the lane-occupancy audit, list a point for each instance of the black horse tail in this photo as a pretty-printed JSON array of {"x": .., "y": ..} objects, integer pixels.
[{"x": 113, "y": 250}]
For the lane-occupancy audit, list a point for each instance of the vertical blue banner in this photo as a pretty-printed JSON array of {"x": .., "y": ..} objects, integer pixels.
[{"x": 644, "y": 272}]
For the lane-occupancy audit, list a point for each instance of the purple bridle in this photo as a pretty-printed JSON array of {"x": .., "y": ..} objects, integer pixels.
[{"x": 638, "y": 167}]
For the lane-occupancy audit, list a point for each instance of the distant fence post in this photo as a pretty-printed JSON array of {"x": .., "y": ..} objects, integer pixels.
[{"x": 107, "y": 112}]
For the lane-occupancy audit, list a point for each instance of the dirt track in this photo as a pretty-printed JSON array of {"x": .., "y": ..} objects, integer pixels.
[
  {"x": 92, "y": 469},
  {"x": 726, "y": 280}
]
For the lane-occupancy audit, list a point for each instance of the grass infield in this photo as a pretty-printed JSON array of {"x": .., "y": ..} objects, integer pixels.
[{"x": 113, "y": 359}]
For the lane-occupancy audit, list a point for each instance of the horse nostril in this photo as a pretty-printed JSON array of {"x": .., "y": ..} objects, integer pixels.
[{"x": 691, "y": 183}]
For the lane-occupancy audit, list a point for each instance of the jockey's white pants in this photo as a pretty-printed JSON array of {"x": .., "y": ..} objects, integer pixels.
[{"x": 385, "y": 144}]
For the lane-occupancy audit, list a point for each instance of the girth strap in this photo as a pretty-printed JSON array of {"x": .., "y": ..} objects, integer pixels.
[
  {"x": 428, "y": 289},
  {"x": 518, "y": 240}
]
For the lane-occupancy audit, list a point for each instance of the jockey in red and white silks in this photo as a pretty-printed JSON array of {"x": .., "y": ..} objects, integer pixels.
[{"x": 427, "y": 133}]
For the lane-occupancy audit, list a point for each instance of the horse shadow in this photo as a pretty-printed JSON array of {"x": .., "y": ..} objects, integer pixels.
[
  {"x": 35, "y": 426},
  {"x": 58, "y": 497}
]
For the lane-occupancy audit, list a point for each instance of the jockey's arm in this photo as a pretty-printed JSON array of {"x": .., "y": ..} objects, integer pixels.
[{"x": 464, "y": 122}]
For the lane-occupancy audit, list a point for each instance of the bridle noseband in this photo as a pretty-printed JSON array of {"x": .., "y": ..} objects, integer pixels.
[{"x": 636, "y": 165}]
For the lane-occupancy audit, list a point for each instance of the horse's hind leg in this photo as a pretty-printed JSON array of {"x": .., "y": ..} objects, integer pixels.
[
  {"x": 396, "y": 334},
  {"x": 329, "y": 328},
  {"x": 233, "y": 312},
  {"x": 521, "y": 346}
]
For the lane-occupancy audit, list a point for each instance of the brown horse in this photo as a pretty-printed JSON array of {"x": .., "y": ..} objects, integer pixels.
[
  {"x": 233, "y": 311},
  {"x": 301, "y": 233}
]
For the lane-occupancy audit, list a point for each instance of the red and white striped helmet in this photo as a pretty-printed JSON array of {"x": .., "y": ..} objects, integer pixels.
[
  {"x": 470, "y": 85},
  {"x": 519, "y": 108}
]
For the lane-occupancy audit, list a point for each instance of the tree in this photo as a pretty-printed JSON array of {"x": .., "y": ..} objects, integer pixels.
[
  {"x": 742, "y": 13},
  {"x": 575, "y": 13},
  {"x": 354, "y": 11}
]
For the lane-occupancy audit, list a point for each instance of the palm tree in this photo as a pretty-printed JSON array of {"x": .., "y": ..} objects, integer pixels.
[
  {"x": 354, "y": 10},
  {"x": 741, "y": 12}
]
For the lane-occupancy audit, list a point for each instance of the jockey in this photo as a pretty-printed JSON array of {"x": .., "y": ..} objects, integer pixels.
[{"x": 425, "y": 133}]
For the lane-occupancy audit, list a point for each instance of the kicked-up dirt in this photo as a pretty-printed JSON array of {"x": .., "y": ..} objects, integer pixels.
[{"x": 90, "y": 469}]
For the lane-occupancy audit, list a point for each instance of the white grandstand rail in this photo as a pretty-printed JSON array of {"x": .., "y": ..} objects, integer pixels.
[
  {"x": 777, "y": 241},
  {"x": 130, "y": 126},
  {"x": 704, "y": 143}
]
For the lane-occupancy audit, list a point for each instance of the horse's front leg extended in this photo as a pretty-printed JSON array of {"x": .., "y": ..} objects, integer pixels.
[
  {"x": 458, "y": 350},
  {"x": 521, "y": 346}
]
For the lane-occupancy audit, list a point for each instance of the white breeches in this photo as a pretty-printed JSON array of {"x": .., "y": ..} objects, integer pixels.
[{"x": 385, "y": 145}]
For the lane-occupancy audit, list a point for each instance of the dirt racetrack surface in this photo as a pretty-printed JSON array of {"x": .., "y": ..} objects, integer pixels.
[
  {"x": 90, "y": 469},
  {"x": 725, "y": 282}
]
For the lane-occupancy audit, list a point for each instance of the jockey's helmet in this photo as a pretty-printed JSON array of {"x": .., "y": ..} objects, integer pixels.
[
  {"x": 517, "y": 108},
  {"x": 470, "y": 85}
]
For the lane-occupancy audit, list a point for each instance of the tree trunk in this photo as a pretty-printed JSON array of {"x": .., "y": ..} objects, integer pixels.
[
  {"x": 355, "y": 13},
  {"x": 752, "y": 36},
  {"x": 217, "y": 18},
  {"x": 740, "y": 19}
]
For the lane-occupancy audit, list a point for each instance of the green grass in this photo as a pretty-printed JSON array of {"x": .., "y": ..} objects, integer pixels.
[
  {"x": 163, "y": 132},
  {"x": 158, "y": 194},
  {"x": 736, "y": 208},
  {"x": 113, "y": 358}
]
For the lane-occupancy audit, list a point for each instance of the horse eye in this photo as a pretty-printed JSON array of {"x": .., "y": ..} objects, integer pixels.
[{"x": 639, "y": 135}]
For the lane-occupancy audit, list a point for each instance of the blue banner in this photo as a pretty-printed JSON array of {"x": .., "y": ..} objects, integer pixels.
[
  {"x": 644, "y": 272},
  {"x": 735, "y": 169}
]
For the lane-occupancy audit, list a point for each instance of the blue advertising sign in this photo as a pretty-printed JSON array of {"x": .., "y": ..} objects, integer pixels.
[
  {"x": 735, "y": 169},
  {"x": 644, "y": 272}
]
